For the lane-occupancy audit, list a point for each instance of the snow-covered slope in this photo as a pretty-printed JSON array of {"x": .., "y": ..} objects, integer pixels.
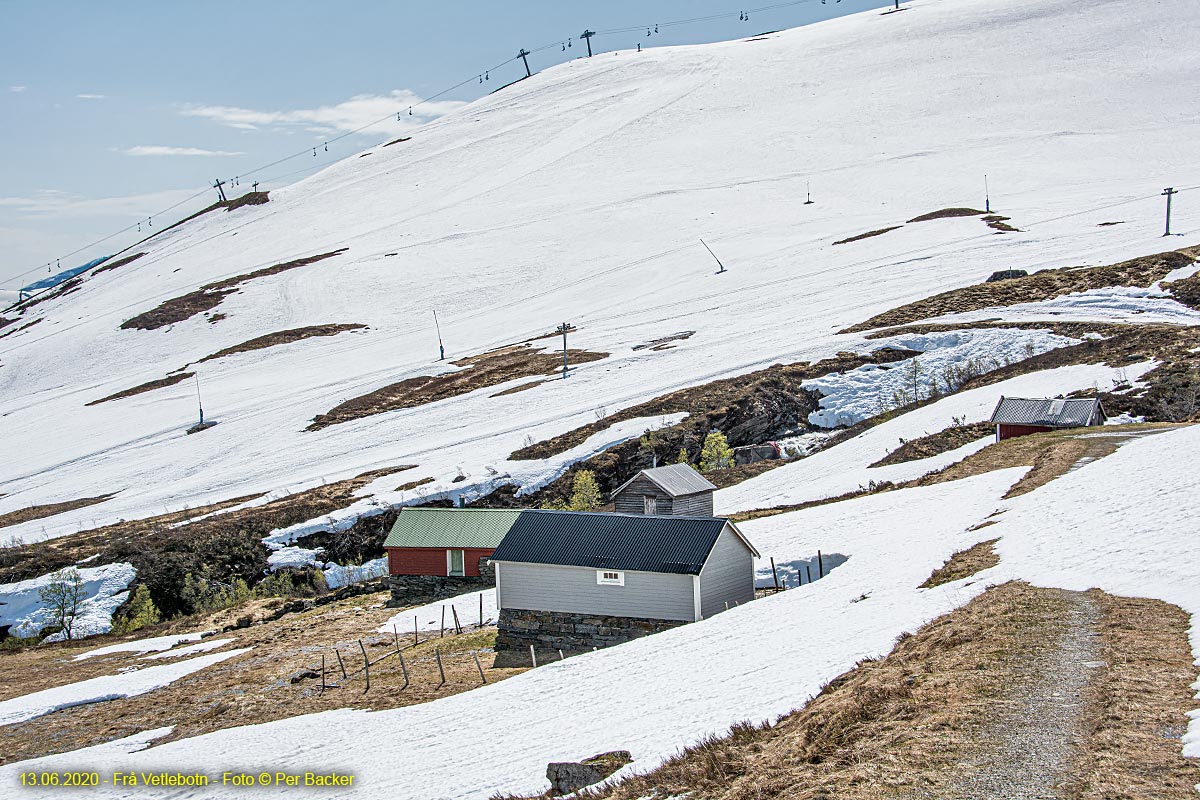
[{"x": 580, "y": 195}]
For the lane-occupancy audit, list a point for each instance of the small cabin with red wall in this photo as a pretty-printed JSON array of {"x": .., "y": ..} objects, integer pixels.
[
  {"x": 1021, "y": 416},
  {"x": 445, "y": 542}
]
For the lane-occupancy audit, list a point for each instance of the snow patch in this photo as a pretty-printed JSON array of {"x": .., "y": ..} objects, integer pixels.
[
  {"x": 104, "y": 590},
  {"x": 106, "y": 687},
  {"x": 337, "y": 576},
  {"x": 151, "y": 645},
  {"x": 429, "y": 617},
  {"x": 850, "y": 397}
]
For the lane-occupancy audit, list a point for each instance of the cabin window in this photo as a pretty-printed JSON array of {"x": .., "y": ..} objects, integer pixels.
[
  {"x": 649, "y": 504},
  {"x": 455, "y": 565},
  {"x": 610, "y": 577}
]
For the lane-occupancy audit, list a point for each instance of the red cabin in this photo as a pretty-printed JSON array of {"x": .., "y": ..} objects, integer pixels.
[
  {"x": 445, "y": 542},
  {"x": 1021, "y": 416}
]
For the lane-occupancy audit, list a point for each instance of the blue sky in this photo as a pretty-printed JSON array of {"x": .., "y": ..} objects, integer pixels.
[{"x": 113, "y": 111}]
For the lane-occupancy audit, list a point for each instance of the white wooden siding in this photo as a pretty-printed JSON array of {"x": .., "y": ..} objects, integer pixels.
[
  {"x": 728, "y": 575},
  {"x": 573, "y": 590}
]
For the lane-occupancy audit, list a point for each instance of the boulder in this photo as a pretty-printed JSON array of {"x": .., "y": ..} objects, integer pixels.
[{"x": 571, "y": 776}]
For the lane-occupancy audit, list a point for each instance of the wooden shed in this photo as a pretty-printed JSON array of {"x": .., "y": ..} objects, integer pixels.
[
  {"x": 1021, "y": 416},
  {"x": 445, "y": 542},
  {"x": 575, "y": 581},
  {"x": 673, "y": 490}
]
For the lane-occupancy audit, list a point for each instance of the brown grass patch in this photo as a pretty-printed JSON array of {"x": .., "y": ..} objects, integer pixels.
[
  {"x": 964, "y": 564},
  {"x": 26, "y": 326},
  {"x": 398, "y": 141},
  {"x": 895, "y": 727},
  {"x": 283, "y": 337},
  {"x": 209, "y": 296},
  {"x": 999, "y": 223},
  {"x": 260, "y": 686},
  {"x": 479, "y": 372},
  {"x": 946, "y": 213},
  {"x": 148, "y": 386},
  {"x": 519, "y": 388},
  {"x": 408, "y": 487},
  {"x": 1043, "y": 285},
  {"x": 869, "y": 234},
  {"x": 934, "y": 444},
  {"x": 49, "y": 510},
  {"x": 117, "y": 263},
  {"x": 1138, "y": 703},
  {"x": 1186, "y": 291}
]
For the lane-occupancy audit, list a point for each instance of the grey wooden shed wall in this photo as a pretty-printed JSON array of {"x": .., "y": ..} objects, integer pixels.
[
  {"x": 630, "y": 500},
  {"x": 727, "y": 576},
  {"x": 550, "y": 587}
]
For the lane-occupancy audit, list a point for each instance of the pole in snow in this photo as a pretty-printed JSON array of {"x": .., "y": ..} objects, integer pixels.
[
  {"x": 714, "y": 255},
  {"x": 563, "y": 329},
  {"x": 522, "y": 54},
  {"x": 218, "y": 184},
  {"x": 987, "y": 200},
  {"x": 198, "y": 401},
  {"x": 587, "y": 37},
  {"x": 808, "y": 193},
  {"x": 438, "y": 328},
  {"x": 1168, "y": 193}
]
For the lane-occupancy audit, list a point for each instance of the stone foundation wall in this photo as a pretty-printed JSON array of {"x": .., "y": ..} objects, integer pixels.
[
  {"x": 551, "y": 631},
  {"x": 413, "y": 590}
]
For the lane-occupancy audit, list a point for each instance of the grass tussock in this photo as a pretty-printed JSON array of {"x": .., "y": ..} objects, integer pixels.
[
  {"x": 964, "y": 564},
  {"x": 116, "y": 263},
  {"x": 148, "y": 386},
  {"x": 934, "y": 444},
  {"x": 49, "y": 510},
  {"x": 1139, "y": 701},
  {"x": 478, "y": 372},
  {"x": 209, "y": 296},
  {"x": 1039, "y": 286},
  {"x": 869, "y": 234},
  {"x": 947, "y": 213},
  {"x": 282, "y": 337}
]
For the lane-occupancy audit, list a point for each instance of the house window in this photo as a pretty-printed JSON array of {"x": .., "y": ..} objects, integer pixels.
[
  {"x": 455, "y": 562},
  {"x": 610, "y": 577},
  {"x": 649, "y": 505}
]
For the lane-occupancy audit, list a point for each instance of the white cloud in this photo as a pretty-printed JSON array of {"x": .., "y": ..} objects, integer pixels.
[
  {"x": 342, "y": 117},
  {"x": 162, "y": 150},
  {"x": 91, "y": 96},
  {"x": 17, "y": 88},
  {"x": 64, "y": 204}
]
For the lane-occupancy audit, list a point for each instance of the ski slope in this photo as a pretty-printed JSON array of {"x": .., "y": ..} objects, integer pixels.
[{"x": 580, "y": 195}]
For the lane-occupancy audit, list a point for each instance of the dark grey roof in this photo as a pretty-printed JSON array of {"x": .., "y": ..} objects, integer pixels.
[
  {"x": 1055, "y": 413},
  {"x": 639, "y": 542},
  {"x": 677, "y": 480}
]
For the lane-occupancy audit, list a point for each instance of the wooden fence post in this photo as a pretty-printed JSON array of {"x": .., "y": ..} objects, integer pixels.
[
  {"x": 820, "y": 565},
  {"x": 457, "y": 627},
  {"x": 415, "y": 641},
  {"x": 481, "y": 611},
  {"x": 775, "y": 573},
  {"x": 322, "y": 673},
  {"x": 437, "y": 652},
  {"x": 395, "y": 637},
  {"x": 341, "y": 666},
  {"x": 366, "y": 666},
  {"x": 403, "y": 669},
  {"x": 442, "y": 633},
  {"x": 479, "y": 667}
]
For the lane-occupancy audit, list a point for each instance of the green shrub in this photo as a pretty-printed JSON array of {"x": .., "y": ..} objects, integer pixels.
[
  {"x": 716, "y": 453},
  {"x": 139, "y": 613}
]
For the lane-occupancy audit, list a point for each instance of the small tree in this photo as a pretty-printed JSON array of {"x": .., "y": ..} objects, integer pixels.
[
  {"x": 716, "y": 453},
  {"x": 585, "y": 492},
  {"x": 62, "y": 597},
  {"x": 140, "y": 613},
  {"x": 683, "y": 457}
]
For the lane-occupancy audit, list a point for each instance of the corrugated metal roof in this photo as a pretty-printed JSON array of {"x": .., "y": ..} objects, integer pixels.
[
  {"x": 1056, "y": 413},
  {"x": 677, "y": 480},
  {"x": 455, "y": 528},
  {"x": 616, "y": 541}
]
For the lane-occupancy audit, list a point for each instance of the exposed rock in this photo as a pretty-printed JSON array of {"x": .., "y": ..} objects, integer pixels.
[{"x": 571, "y": 776}]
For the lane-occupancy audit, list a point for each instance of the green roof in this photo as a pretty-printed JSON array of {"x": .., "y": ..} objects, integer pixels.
[{"x": 456, "y": 528}]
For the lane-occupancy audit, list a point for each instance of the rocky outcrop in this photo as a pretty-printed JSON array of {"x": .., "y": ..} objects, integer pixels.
[{"x": 571, "y": 776}]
